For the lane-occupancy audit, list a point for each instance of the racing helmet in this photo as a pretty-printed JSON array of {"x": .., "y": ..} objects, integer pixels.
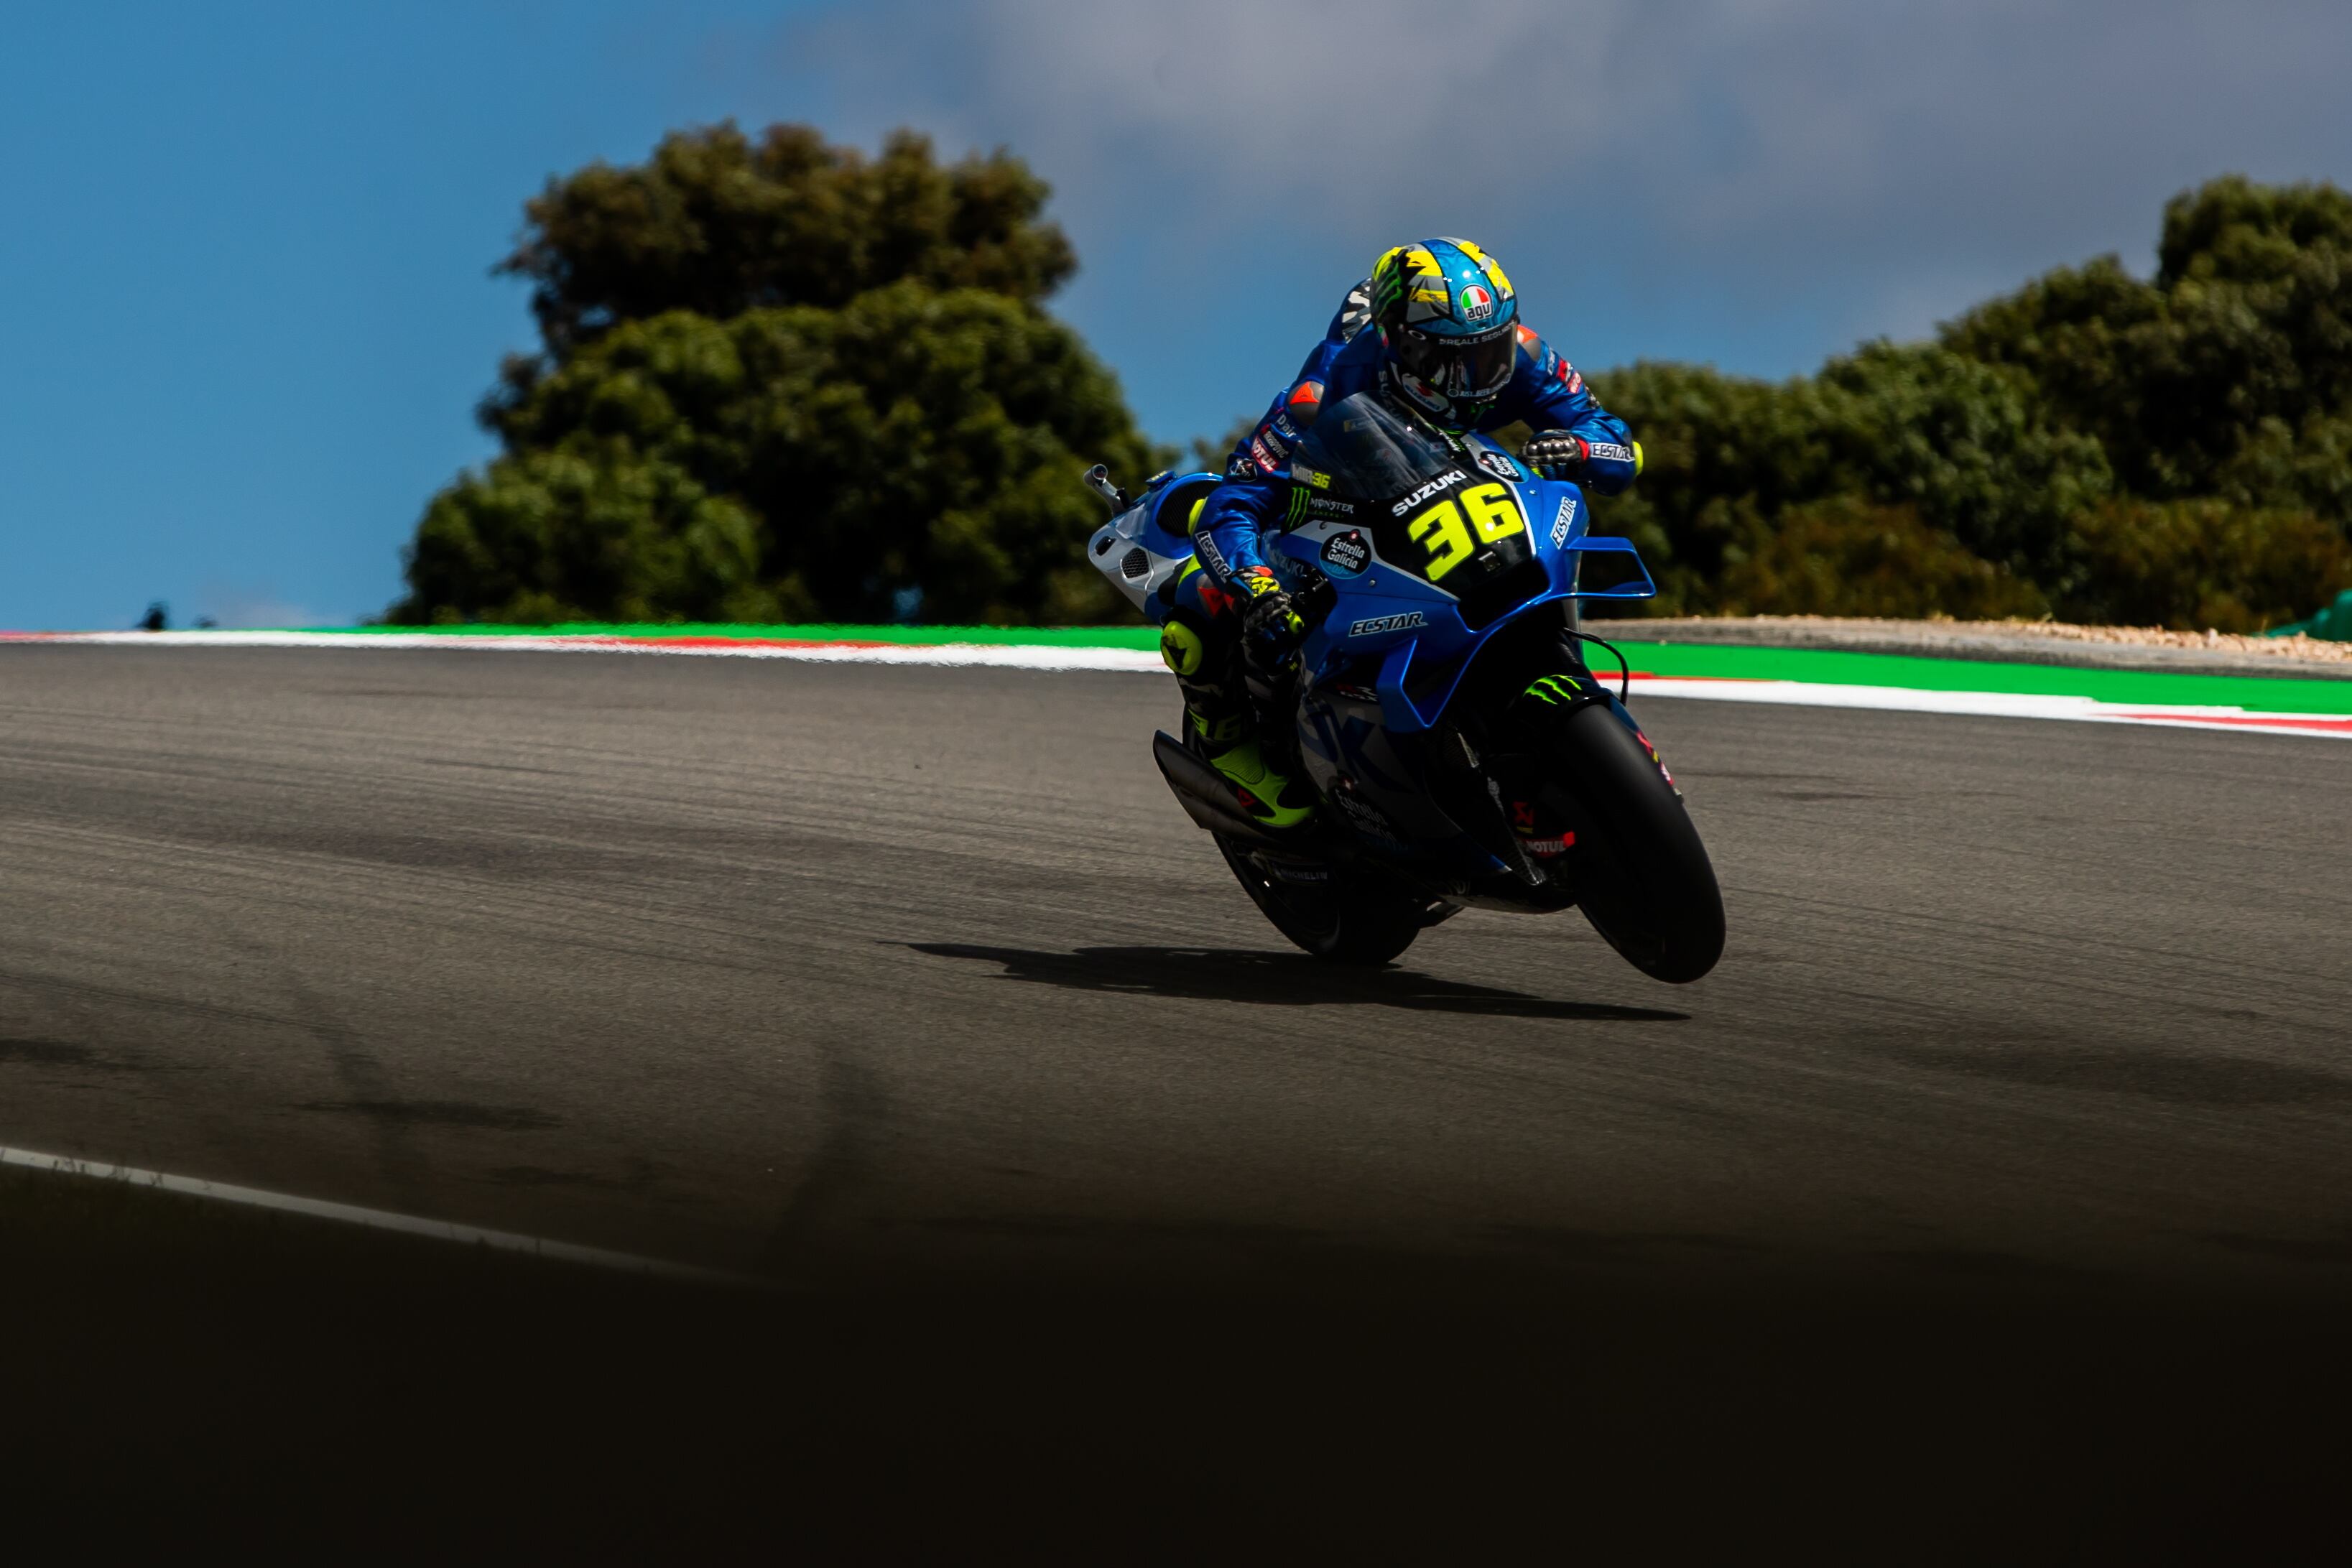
[{"x": 1446, "y": 313}]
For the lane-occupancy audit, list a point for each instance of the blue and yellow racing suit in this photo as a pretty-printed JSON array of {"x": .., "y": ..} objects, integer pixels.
[
  {"x": 1546, "y": 391},
  {"x": 1200, "y": 619}
]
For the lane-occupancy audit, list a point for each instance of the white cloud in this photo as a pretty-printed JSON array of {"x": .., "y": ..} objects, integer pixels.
[
  {"x": 1846, "y": 167},
  {"x": 1717, "y": 115}
]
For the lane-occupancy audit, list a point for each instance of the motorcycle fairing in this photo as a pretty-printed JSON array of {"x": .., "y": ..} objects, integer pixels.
[
  {"x": 1147, "y": 546},
  {"x": 1413, "y": 599},
  {"x": 1385, "y": 661},
  {"x": 1391, "y": 612}
]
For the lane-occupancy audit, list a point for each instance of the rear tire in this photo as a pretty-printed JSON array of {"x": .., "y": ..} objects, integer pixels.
[
  {"x": 1340, "y": 920},
  {"x": 1650, "y": 889}
]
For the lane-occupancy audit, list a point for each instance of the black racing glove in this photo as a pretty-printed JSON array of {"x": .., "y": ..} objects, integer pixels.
[
  {"x": 1557, "y": 455},
  {"x": 1267, "y": 620}
]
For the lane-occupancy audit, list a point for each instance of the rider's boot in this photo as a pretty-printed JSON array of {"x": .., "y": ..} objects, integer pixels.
[
  {"x": 1218, "y": 710},
  {"x": 1272, "y": 799}
]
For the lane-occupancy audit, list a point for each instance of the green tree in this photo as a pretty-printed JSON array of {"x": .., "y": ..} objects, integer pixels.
[
  {"x": 546, "y": 535},
  {"x": 717, "y": 224},
  {"x": 2243, "y": 339},
  {"x": 1964, "y": 449},
  {"x": 2206, "y": 563},
  {"x": 1846, "y": 556},
  {"x": 783, "y": 380},
  {"x": 2178, "y": 449}
]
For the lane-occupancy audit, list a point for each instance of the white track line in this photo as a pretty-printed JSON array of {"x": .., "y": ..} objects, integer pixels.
[
  {"x": 373, "y": 1219},
  {"x": 1019, "y": 656},
  {"x": 1000, "y": 656},
  {"x": 1995, "y": 704}
]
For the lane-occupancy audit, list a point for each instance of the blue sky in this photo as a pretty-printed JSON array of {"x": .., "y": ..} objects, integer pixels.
[{"x": 245, "y": 310}]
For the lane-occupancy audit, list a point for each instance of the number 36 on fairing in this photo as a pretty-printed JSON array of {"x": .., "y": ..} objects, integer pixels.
[{"x": 1453, "y": 531}]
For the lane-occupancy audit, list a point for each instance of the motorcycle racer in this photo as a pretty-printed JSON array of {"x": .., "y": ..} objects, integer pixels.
[{"x": 1434, "y": 330}]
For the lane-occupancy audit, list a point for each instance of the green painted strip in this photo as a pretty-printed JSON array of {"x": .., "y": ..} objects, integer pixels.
[
  {"x": 1144, "y": 637},
  {"x": 1826, "y": 666},
  {"x": 2256, "y": 694}
]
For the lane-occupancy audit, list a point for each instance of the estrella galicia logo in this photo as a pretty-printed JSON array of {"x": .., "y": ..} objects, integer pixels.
[
  {"x": 1564, "y": 521},
  {"x": 1500, "y": 466},
  {"x": 1404, "y": 623},
  {"x": 1346, "y": 555}
]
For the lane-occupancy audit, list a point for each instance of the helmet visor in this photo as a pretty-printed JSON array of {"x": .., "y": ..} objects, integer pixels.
[{"x": 1472, "y": 368}]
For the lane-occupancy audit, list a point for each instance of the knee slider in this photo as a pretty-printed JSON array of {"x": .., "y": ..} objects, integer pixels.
[{"x": 1181, "y": 649}]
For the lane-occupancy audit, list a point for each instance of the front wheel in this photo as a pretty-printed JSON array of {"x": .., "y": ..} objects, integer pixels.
[
  {"x": 1333, "y": 916},
  {"x": 1647, "y": 887}
]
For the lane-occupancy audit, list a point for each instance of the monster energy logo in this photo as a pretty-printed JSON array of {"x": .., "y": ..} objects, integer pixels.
[{"x": 1554, "y": 690}]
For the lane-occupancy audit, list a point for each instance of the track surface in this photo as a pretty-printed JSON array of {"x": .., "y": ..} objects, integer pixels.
[{"x": 844, "y": 973}]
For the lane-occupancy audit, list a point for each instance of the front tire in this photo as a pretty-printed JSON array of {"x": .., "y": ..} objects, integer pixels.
[
  {"x": 1338, "y": 919},
  {"x": 1649, "y": 888}
]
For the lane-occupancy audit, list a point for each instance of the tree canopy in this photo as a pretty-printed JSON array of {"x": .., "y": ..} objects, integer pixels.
[
  {"x": 718, "y": 225},
  {"x": 783, "y": 380},
  {"x": 2176, "y": 450}
]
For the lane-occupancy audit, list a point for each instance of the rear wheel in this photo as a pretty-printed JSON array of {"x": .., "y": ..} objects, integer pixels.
[
  {"x": 1647, "y": 886},
  {"x": 1324, "y": 913}
]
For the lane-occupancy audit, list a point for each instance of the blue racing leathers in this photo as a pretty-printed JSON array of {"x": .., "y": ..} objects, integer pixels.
[{"x": 1545, "y": 391}]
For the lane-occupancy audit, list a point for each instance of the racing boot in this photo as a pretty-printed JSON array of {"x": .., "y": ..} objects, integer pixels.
[
  {"x": 1272, "y": 799},
  {"x": 1217, "y": 709}
]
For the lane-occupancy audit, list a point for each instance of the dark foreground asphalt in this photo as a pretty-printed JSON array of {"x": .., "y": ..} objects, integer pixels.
[{"x": 903, "y": 985}]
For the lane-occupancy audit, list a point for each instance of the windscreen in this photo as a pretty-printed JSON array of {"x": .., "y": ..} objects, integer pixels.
[
  {"x": 1370, "y": 452},
  {"x": 1432, "y": 511}
]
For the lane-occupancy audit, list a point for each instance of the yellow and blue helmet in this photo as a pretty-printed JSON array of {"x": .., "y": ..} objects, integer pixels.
[{"x": 1447, "y": 311}]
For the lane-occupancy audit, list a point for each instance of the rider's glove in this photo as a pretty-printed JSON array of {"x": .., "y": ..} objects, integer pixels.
[
  {"x": 1557, "y": 455},
  {"x": 1267, "y": 617}
]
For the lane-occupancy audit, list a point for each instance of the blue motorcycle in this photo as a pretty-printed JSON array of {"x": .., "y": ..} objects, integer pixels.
[{"x": 1464, "y": 752}]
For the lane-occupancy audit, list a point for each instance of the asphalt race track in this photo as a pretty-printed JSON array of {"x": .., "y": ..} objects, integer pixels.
[{"x": 862, "y": 979}]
